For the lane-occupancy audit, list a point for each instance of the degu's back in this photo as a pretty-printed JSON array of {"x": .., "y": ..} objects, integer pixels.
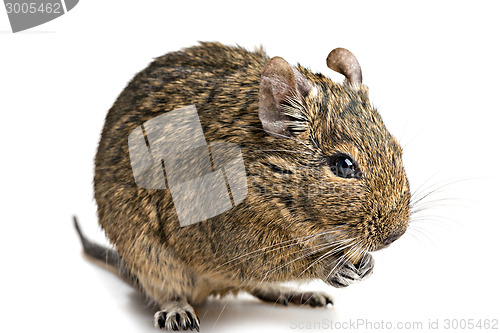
[{"x": 221, "y": 82}]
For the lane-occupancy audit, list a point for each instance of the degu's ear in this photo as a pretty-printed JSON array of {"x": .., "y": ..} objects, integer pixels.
[
  {"x": 280, "y": 82},
  {"x": 344, "y": 62}
]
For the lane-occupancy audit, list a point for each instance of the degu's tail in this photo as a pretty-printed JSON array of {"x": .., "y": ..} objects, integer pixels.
[{"x": 104, "y": 254}]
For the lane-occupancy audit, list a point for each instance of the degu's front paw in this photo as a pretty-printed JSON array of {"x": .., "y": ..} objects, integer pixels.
[
  {"x": 177, "y": 316},
  {"x": 348, "y": 272}
]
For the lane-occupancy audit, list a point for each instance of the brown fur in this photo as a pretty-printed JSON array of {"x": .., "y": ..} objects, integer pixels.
[{"x": 292, "y": 192}]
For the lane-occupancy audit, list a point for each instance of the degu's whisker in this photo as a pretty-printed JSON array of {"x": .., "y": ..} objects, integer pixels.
[
  {"x": 276, "y": 247},
  {"x": 422, "y": 232},
  {"x": 433, "y": 217},
  {"x": 343, "y": 259},
  {"x": 344, "y": 243},
  {"x": 304, "y": 255},
  {"x": 426, "y": 203},
  {"x": 420, "y": 195},
  {"x": 263, "y": 276}
]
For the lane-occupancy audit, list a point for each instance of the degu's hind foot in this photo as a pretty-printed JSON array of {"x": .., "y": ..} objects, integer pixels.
[
  {"x": 176, "y": 316},
  {"x": 286, "y": 296}
]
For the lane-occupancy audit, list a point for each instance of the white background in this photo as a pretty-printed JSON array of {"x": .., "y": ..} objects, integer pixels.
[{"x": 433, "y": 72}]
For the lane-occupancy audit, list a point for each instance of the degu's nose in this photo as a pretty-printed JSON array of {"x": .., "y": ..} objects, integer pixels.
[{"x": 392, "y": 237}]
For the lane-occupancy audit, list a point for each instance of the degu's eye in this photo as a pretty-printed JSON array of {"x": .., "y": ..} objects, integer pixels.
[{"x": 343, "y": 166}]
